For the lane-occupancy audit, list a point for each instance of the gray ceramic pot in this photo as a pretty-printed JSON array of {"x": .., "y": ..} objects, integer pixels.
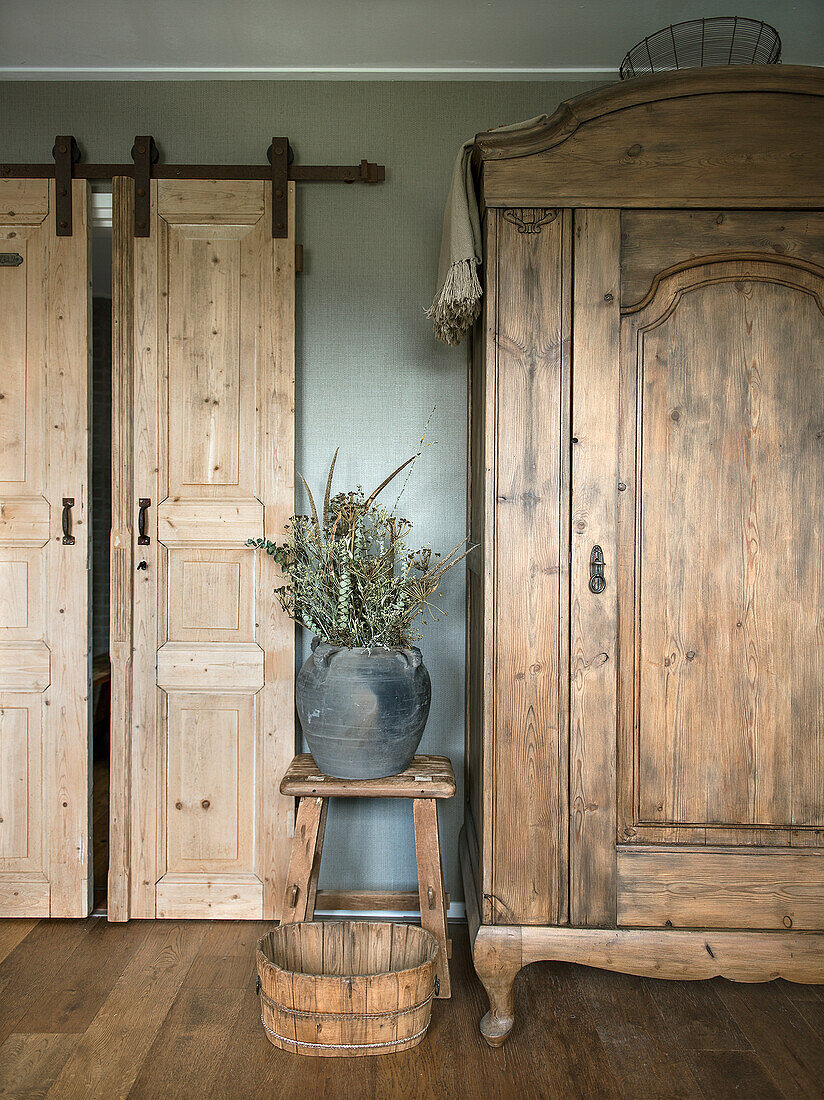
[{"x": 363, "y": 710}]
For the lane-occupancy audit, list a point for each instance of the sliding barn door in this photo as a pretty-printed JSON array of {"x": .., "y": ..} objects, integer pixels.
[
  {"x": 44, "y": 752},
  {"x": 205, "y": 386},
  {"x": 699, "y": 413}
]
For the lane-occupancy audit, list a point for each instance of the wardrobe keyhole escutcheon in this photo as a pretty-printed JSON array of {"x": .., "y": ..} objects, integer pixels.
[{"x": 597, "y": 580}]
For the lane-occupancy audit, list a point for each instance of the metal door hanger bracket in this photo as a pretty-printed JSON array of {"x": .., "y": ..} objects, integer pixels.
[
  {"x": 66, "y": 153},
  {"x": 144, "y": 154},
  {"x": 279, "y": 154}
]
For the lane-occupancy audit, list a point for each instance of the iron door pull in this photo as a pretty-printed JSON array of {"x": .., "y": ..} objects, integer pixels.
[
  {"x": 68, "y": 537},
  {"x": 597, "y": 580},
  {"x": 142, "y": 538}
]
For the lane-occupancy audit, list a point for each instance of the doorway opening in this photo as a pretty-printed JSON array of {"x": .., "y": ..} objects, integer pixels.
[{"x": 100, "y": 513}]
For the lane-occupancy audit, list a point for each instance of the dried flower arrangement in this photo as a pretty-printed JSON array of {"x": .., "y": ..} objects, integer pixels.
[{"x": 351, "y": 578}]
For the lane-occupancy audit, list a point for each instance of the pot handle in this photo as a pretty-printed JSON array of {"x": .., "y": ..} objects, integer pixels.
[
  {"x": 412, "y": 659},
  {"x": 324, "y": 658}
]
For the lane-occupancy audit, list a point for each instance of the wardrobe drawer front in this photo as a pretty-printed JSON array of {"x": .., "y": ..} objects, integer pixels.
[{"x": 747, "y": 888}]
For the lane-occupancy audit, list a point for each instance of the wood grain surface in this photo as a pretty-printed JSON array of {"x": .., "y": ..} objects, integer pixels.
[
  {"x": 92, "y": 1011},
  {"x": 528, "y": 761},
  {"x": 44, "y": 714},
  {"x": 205, "y": 354},
  {"x": 426, "y": 777},
  {"x": 688, "y": 139}
]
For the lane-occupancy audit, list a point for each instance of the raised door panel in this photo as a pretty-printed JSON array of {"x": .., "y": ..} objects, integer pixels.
[
  {"x": 211, "y": 596},
  {"x": 211, "y": 331},
  {"x": 44, "y": 775},
  {"x": 725, "y": 378},
  {"x": 24, "y": 460},
  {"x": 212, "y": 707},
  {"x": 22, "y": 786},
  {"x": 23, "y": 297},
  {"x": 211, "y": 757}
]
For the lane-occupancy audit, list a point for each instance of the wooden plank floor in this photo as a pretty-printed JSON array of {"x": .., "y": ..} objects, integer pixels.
[{"x": 168, "y": 1009}]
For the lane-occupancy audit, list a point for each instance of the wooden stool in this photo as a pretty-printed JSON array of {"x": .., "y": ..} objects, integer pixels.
[{"x": 425, "y": 780}]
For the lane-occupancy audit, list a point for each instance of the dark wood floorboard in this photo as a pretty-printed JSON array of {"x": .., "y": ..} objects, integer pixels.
[
  {"x": 642, "y": 1055},
  {"x": 168, "y": 1009},
  {"x": 787, "y": 1045}
]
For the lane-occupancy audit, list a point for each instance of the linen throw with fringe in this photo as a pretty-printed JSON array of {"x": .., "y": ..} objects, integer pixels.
[{"x": 457, "y": 300}]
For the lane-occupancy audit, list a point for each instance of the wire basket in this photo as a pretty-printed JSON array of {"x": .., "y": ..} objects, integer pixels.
[{"x": 701, "y": 43}]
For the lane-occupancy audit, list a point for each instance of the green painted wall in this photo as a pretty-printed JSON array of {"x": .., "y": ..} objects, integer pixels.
[{"x": 368, "y": 369}]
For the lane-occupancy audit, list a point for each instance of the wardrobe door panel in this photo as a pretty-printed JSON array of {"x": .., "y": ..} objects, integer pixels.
[
  {"x": 212, "y": 680},
  {"x": 529, "y": 824},
  {"x": 594, "y": 617},
  {"x": 717, "y": 573},
  {"x": 44, "y": 773}
]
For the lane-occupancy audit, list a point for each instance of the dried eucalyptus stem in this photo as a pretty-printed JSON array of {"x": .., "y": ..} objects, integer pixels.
[{"x": 351, "y": 579}]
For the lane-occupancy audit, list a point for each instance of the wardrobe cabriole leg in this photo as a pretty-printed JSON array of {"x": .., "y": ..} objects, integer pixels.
[{"x": 498, "y": 957}]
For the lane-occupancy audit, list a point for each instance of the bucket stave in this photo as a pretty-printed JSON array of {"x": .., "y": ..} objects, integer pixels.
[{"x": 346, "y": 988}]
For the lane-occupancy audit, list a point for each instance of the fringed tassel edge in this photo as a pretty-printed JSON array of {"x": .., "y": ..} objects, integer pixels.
[{"x": 457, "y": 303}]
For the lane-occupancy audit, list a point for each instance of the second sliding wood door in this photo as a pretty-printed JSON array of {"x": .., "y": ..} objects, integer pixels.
[
  {"x": 204, "y": 658},
  {"x": 45, "y": 832}
]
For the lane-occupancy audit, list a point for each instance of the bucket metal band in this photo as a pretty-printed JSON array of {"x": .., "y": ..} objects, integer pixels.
[{"x": 343, "y": 1046}]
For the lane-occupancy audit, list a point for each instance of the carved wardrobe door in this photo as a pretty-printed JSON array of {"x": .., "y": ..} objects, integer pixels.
[
  {"x": 704, "y": 344},
  {"x": 205, "y": 385},
  {"x": 44, "y": 751}
]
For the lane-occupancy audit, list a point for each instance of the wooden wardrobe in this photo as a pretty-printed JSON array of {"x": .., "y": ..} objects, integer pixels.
[{"x": 645, "y": 745}]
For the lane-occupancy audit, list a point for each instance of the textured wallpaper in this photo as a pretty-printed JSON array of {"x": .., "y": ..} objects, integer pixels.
[{"x": 368, "y": 369}]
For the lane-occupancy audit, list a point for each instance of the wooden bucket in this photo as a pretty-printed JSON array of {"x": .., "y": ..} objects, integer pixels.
[{"x": 345, "y": 989}]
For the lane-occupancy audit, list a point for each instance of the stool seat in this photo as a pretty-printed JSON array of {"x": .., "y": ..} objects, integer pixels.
[{"x": 426, "y": 777}]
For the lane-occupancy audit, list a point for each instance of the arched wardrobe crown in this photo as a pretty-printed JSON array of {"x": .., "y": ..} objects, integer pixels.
[{"x": 645, "y": 733}]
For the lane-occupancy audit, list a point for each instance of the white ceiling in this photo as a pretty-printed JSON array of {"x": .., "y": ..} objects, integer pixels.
[{"x": 360, "y": 39}]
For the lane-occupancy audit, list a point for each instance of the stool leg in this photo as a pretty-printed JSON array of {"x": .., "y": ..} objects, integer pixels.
[
  {"x": 312, "y": 891},
  {"x": 304, "y": 863},
  {"x": 430, "y": 883}
]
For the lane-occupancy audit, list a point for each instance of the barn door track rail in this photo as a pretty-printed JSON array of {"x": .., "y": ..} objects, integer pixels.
[{"x": 68, "y": 165}]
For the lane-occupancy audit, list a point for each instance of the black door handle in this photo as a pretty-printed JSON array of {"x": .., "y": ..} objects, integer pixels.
[
  {"x": 142, "y": 538},
  {"x": 68, "y": 537},
  {"x": 597, "y": 580}
]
